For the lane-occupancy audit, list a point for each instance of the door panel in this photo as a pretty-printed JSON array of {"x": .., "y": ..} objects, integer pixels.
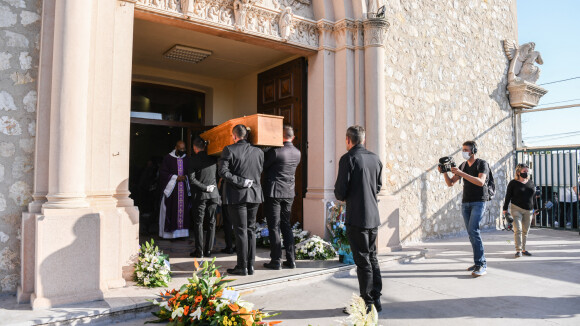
[{"x": 282, "y": 91}]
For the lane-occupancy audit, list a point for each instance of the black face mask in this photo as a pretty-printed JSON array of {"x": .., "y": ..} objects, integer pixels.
[
  {"x": 524, "y": 175},
  {"x": 179, "y": 153}
]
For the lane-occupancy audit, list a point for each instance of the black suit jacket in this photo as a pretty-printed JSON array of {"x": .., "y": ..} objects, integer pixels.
[
  {"x": 358, "y": 183},
  {"x": 279, "y": 171},
  {"x": 238, "y": 162},
  {"x": 203, "y": 173}
]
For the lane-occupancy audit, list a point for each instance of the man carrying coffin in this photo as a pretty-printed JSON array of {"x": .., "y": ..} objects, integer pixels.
[
  {"x": 175, "y": 199},
  {"x": 240, "y": 166},
  {"x": 203, "y": 181},
  {"x": 279, "y": 189}
]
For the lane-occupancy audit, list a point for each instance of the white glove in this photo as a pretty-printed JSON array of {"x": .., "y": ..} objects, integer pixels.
[
  {"x": 248, "y": 183},
  {"x": 209, "y": 188}
]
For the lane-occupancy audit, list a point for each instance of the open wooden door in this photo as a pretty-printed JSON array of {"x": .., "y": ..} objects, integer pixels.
[{"x": 282, "y": 91}]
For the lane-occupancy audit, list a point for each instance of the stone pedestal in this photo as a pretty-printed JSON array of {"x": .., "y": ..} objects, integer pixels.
[
  {"x": 525, "y": 95},
  {"x": 66, "y": 268},
  {"x": 388, "y": 237}
]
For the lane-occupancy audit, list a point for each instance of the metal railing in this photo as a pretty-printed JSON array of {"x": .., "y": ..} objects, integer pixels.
[{"x": 555, "y": 171}]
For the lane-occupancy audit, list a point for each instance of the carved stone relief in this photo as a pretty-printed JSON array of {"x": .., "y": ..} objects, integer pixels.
[
  {"x": 285, "y": 23},
  {"x": 276, "y": 19}
]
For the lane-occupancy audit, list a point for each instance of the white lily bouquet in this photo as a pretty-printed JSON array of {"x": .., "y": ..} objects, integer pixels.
[
  {"x": 358, "y": 315},
  {"x": 152, "y": 268},
  {"x": 315, "y": 248}
]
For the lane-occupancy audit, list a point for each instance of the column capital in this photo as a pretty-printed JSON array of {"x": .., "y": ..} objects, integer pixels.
[{"x": 375, "y": 30}]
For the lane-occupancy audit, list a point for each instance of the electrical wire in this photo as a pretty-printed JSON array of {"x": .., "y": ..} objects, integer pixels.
[
  {"x": 559, "y": 81},
  {"x": 576, "y": 99},
  {"x": 558, "y": 134}
]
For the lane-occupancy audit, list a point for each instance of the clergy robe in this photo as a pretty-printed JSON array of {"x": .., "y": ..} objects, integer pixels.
[{"x": 175, "y": 198}]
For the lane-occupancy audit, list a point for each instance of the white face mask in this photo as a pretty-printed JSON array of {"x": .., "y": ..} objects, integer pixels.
[{"x": 466, "y": 155}]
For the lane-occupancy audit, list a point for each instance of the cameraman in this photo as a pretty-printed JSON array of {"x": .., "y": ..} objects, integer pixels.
[{"x": 474, "y": 171}]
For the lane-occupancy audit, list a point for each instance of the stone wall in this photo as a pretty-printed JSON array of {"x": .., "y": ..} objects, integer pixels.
[
  {"x": 19, "y": 49},
  {"x": 445, "y": 83}
]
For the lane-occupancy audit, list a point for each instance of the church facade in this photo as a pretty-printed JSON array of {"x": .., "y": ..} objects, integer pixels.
[{"x": 84, "y": 91}]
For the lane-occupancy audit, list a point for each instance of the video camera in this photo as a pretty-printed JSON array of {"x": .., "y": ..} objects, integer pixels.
[
  {"x": 510, "y": 222},
  {"x": 446, "y": 163}
]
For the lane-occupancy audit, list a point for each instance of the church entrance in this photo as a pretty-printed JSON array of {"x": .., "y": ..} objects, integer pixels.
[
  {"x": 282, "y": 91},
  {"x": 160, "y": 116},
  {"x": 186, "y": 82}
]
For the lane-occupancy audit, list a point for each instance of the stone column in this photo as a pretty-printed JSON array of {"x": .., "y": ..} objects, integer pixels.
[
  {"x": 376, "y": 126},
  {"x": 69, "y": 99},
  {"x": 375, "y": 111},
  {"x": 66, "y": 231},
  {"x": 321, "y": 131}
]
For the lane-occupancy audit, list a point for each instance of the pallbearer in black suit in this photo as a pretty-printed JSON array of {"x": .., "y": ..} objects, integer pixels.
[
  {"x": 241, "y": 167},
  {"x": 279, "y": 183},
  {"x": 358, "y": 183},
  {"x": 202, "y": 176}
]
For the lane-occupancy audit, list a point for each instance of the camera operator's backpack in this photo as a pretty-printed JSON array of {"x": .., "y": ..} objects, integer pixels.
[{"x": 490, "y": 182}]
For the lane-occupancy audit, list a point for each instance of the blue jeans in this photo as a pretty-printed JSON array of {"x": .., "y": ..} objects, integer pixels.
[{"x": 472, "y": 216}]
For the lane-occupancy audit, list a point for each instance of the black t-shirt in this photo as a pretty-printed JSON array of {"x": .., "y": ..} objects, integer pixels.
[
  {"x": 521, "y": 195},
  {"x": 472, "y": 192}
]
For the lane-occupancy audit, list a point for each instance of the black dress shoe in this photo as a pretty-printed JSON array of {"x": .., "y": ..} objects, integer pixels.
[
  {"x": 196, "y": 254},
  {"x": 272, "y": 265},
  {"x": 237, "y": 271},
  {"x": 207, "y": 253},
  {"x": 289, "y": 264},
  {"x": 251, "y": 269},
  {"x": 377, "y": 303},
  {"x": 228, "y": 251}
]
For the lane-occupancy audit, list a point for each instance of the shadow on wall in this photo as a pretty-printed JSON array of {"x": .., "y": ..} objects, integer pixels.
[
  {"x": 451, "y": 208},
  {"x": 72, "y": 273}
]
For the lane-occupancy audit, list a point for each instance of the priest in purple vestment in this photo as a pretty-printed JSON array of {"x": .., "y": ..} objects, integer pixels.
[{"x": 175, "y": 199}]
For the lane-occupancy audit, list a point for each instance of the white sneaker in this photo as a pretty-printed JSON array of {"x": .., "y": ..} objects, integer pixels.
[
  {"x": 479, "y": 271},
  {"x": 568, "y": 225}
]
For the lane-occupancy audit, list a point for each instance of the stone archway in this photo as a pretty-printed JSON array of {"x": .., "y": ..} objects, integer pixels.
[{"x": 81, "y": 204}]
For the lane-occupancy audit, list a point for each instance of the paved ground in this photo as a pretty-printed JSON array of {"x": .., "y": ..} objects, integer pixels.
[{"x": 539, "y": 290}]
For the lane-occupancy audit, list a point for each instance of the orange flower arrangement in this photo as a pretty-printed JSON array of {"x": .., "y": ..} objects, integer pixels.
[{"x": 206, "y": 300}]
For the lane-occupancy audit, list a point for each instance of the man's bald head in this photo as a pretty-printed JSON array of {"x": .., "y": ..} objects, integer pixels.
[{"x": 180, "y": 146}]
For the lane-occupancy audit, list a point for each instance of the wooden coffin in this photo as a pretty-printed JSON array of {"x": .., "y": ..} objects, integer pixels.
[{"x": 265, "y": 130}]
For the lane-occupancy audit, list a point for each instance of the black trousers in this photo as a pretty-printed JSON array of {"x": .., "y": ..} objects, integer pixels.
[
  {"x": 243, "y": 217},
  {"x": 363, "y": 243},
  {"x": 228, "y": 227},
  {"x": 204, "y": 220},
  {"x": 278, "y": 212}
]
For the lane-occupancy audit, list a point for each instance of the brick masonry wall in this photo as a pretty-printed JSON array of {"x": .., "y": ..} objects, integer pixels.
[
  {"x": 19, "y": 50},
  {"x": 446, "y": 77}
]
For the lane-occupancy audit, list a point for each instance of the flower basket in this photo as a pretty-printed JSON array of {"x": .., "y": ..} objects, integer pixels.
[
  {"x": 152, "y": 268},
  {"x": 206, "y": 300},
  {"x": 336, "y": 214},
  {"x": 315, "y": 248}
]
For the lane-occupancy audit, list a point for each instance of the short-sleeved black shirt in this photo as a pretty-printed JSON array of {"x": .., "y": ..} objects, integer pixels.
[{"x": 472, "y": 192}]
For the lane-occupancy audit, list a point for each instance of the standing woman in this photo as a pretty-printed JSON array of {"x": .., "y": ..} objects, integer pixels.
[{"x": 521, "y": 193}]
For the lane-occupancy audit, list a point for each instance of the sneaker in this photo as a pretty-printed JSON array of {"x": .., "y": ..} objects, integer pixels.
[
  {"x": 471, "y": 268},
  {"x": 527, "y": 253},
  {"x": 479, "y": 271},
  {"x": 568, "y": 225},
  {"x": 518, "y": 254}
]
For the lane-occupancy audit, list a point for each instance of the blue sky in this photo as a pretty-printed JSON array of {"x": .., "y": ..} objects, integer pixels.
[{"x": 555, "y": 28}]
